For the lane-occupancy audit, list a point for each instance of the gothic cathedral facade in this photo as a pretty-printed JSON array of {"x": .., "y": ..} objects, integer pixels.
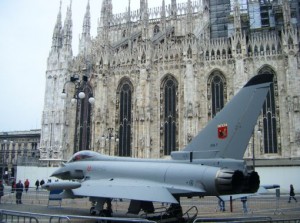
[{"x": 152, "y": 78}]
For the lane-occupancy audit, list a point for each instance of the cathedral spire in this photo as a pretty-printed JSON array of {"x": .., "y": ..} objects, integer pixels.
[
  {"x": 86, "y": 27},
  {"x": 128, "y": 12},
  {"x": 128, "y": 19},
  {"x": 144, "y": 18},
  {"x": 163, "y": 15},
  {"x": 237, "y": 16},
  {"x": 189, "y": 16},
  {"x": 57, "y": 33},
  {"x": 286, "y": 14},
  {"x": 67, "y": 30},
  {"x": 142, "y": 6},
  {"x": 173, "y": 8},
  {"x": 84, "y": 41},
  {"x": 105, "y": 18}
]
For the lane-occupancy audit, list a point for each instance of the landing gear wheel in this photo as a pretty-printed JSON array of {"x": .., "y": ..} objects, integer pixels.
[
  {"x": 105, "y": 213},
  {"x": 93, "y": 211}
]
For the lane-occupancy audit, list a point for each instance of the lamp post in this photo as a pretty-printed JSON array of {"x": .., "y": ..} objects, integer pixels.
[
  {"x": 109, "y": 138},
  {"x": 83, "y": 98},
  {"x": 253, "y": 141},
  {"x": 253, "y": 152}
]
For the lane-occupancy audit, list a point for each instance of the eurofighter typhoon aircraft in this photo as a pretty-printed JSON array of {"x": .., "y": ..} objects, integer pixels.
[{"x": 211, "y": 165}]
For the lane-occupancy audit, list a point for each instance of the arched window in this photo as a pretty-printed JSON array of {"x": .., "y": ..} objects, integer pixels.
[
  {"x": 269, "y": 116},
  {"x": 216, "y": 93},
  {"x": 169, "y": 126},
  {"x": 125, "y": 95}
]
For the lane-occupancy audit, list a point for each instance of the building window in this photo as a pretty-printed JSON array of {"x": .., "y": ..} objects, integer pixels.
[
  {"x": 125, "y": 98},
  {"x": 169, "y": 125},
  {"x": 269, "y": 116},
  {"x": 216, "y": 93}
]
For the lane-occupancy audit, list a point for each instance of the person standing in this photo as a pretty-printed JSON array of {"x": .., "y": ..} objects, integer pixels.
[
  {"x": 13, "y": 187},
  {"x": 244, "y": 202},
  {"x": 37, "y": 184},
  {"x": 42, "y": 182},
  {"x": 292, "y": 193},
  {"x": 19, "y": 191},
  {"x": 1, "y": 190},
  {"x": 26, "y": 184}
]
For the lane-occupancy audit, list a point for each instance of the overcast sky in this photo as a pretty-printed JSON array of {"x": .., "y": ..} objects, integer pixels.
[{"x": 26, "y": 28}]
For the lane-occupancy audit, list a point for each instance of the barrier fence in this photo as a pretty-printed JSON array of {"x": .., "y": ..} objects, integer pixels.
[{"x": 267, "y": 205}]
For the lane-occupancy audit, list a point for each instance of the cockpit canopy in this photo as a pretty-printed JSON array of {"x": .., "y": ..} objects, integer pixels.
[{"x": 84, "y": 155}]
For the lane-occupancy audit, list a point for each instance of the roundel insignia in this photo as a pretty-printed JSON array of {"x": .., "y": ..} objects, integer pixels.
[{"x": 222, "y": 131}]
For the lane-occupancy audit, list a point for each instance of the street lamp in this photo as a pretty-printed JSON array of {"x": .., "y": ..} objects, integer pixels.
[
  {"x": 79, "y": 87},
  {"x": 83, "y": 98},
  {"x": 110, "y": 137}
]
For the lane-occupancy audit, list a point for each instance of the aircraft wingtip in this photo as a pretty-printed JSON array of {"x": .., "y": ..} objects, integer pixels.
[{"x": 260, "y": 79}]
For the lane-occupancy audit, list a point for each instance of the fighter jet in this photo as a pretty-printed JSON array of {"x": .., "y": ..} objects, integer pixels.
[{"x": 211, "y": 165}]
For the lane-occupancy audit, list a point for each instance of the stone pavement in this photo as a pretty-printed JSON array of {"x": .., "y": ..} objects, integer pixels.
[{"x": 262, "y": 206}]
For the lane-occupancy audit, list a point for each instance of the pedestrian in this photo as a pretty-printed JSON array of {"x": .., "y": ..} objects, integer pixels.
[
  {"x": 19, "y": 191},
  {"x": 13, "y": 186},
  {"x": 1, "y": 190},
  {"x": 37, "y": 184},
  {"x": 42, "y": 182},
  {"x": 244, "y": 201},
  {"x": 26, "y": 184},
  {"x": 292, "y": 193}
]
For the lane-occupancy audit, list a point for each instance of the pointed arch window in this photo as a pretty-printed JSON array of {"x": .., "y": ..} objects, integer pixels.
[
  {"x": 269, "y": 116},
  {"x": 125, "y": 98},
  {"x": 169, "y": 126},
  {"x": 217, "y": 93}
]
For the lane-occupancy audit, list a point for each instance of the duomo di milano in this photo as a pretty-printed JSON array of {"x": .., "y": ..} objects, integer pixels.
[{"x": 153, "y": 77}]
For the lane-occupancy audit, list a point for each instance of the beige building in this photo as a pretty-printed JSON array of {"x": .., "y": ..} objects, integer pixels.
[
  {"x": 152, "y": 78},
  {"x": 18, "y": 148}
]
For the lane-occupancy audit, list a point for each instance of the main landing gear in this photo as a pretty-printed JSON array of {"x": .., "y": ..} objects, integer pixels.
[{"x": 98, "y": 207}]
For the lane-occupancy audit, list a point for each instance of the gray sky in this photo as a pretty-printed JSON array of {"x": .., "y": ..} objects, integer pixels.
[{"x": 26, "y": 28}]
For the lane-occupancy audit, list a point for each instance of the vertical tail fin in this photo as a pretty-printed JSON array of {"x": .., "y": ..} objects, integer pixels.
[{"x": 228, "y": 133}]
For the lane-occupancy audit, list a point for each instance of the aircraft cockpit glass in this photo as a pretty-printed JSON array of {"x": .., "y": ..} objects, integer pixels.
[{"x": 82, "y": 155}]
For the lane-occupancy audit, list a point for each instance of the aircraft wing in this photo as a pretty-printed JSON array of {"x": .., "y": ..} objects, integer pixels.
[{"x": 128, "y": 189}]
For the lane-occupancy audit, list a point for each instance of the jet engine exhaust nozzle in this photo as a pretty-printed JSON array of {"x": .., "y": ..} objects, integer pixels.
[
  {"x": 252, "y": 182},
  {"x": 230, "y": 181}
]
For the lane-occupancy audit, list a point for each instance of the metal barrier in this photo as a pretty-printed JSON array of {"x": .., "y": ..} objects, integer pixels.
[
  {"x": 234, "y": 219},
  {"x": 247, "y": 219},
  {"x": 17, "y": 216},
  {"x": 262, "y": 205},
  {"x": 13, "y": 216}
]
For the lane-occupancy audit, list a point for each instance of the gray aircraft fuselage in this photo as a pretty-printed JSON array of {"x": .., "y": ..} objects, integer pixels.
[{"x": 211, "y": 164}]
